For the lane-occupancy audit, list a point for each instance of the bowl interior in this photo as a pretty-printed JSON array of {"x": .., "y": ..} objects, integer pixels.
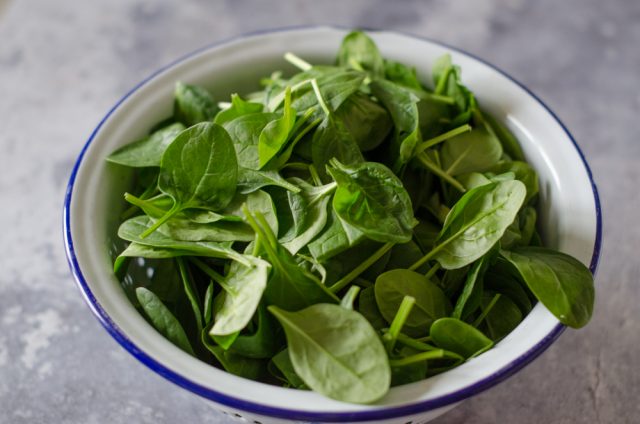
[{"x": 568, "y": 216}]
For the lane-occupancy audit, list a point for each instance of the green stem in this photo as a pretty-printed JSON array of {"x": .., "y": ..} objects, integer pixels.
[
  {"x": 177, "y": 207},
  {"x": 218, "y": 278},
  {"x": 425, "y": 258},
  {"x": 323, "y": 105},
  {"x": 297, "y": 61},
  {"x": 440, "y": 173},
  {"x": 414, "y": 343},
  {"x": 442, "y": 137},
  {"x": 439, "y": 98},
  {"x": 314, "y": 175},
  {"x": 143, "y": 204},
  {"x": 424, "y": 356},
  {"x": 442, "y": 82},
  {"x": 398, "y": 322},
  {"x": 360, "y": 268},
  {"x": 432, "y": 270},
  {"x": 266, "y": 229},
  {"x": 485, "y": 311},
  {"x": 350, "y": 297},
  {"x": 190, "y": 291}
]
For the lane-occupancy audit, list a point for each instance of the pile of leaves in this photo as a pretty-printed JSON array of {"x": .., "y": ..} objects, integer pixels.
[{"x": 344, "y": 230}]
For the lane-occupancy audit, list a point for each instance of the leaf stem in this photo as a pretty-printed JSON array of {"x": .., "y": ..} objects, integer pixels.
[
  {"x": 432, "y": 271},
  {"x": 413, "y": 343},
  {"x": 442, "y": 137},
  {"x": 424, "y": 356},
  {"x": 350, "y": 297},
  {"x": 314, "y": 175},
  {"x": 316, "y": 90},
  {"x": 340, "y": 284},
  {"x": 440, "y": 173},
  {"x": 485, "y": 311},
  {"x": 425, "y": 258},
  {"x": 177, "y": 207},
  {"x": 297, "y": 61},
  {"x": 398, "y": 322},
  {"x": 218, "y": 278}
]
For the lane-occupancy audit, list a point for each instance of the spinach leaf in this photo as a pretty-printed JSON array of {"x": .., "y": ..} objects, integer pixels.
[
  {"x": 276, "y": 133},
  {"x": 199, "y": 169},
  {"x": 337, "y": 237},
  {"x": 401, "y": 74},
  {"x": 402, "y": 105},
  {"x": 236, "y": 364},
  {"x": 503, "y": 317},
  {"x": 368, "y": 307},
  {"x": 238, "y": 108},
  {"x": 476, "y": 222},
  {"x": 193, "y": 104},
  {"x": 250, "y": 180},
  {"x": 368, "y": 123},
  {"x": 471, "y": 296},
  {"x": 333, "y": 140},
  {"x": 392, "y": 286},
  {"x": 147, "y": 151},
  {"x": 243, "y": 287},
  {"x": 309, "y": 212},
  {"x": 459, "y": 337},
  {"x": 372, "y": 199},
  {"x": 522, "y": 171},
  {"x": 336, "y": 352},
  {"x": 162, "y": 319},
  {"x": 264, "y": 342},
  {"x": 245, "y": 133},
  {"x": 561, "y": 282},
  {"x": 473, "y": 151},
  {"x": 359, "y": 52},
  {"x": 283, "y": 362}
]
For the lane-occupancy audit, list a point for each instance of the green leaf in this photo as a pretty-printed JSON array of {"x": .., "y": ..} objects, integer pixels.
[
  {"x": 358, "y": 51},
  {"x": 472, "y": 151},
  {"x": 245, "y": 133},
  {"x": 336, "y": 352},
  {"x": 250, "y": 180},
  {"x": 332, "y": 140},
  {"x": 233, "y": 363},
  {"x": 368, "y": 123},
  {"x": 459, "y": 337},
  {"x": 193, "y": 104},
  {"x": 368, "y": 307},
  {"x": 264, "y": 342},
  {"x": 276, "y": 133},
  {"x": 372, "y": 199},
  {"x": 147, "y": 151},
  {"x": 523, "y": 172},
  {"x": 402, "y": 105},
  {"x": 243, "y": 287},
  {"x": 503, "y": 317},
  {"x": 238, "y": 108},
  {"x": 431, "y": 303},
  {"x": 561, "y": 282},
  {"x": 402, "y": 74},
  {"x": 283, "y": 362},
  {"x": 162, "y": 319},
  {"x": 476, "y": 222}
]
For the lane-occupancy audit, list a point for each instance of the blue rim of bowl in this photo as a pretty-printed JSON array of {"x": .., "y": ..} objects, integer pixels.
[{"x": 293, "y": 414}]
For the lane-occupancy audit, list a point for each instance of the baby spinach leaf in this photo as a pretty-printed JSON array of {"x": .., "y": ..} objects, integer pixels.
[
  {"x": 372, "y": 199},
  {"x": 264, "y": 342},
  {"x": 193, "y": 104},
  {"x": 401, "y": 74},
  {"x": 147, "y": 151},
  {"x": 245, "y": 133},
  {"x": 336, "y": 352},
  {"x": 392, "y": 286},
  {"x": 368, "y": 307},
  {"x": 337, "y": 237},
  {"x": 402, "y": 105},
  {"x": 509, "y": 142},
  {"x": 476, "y": 222},
  {"x": 276, "y": 133},
  {"x": 522, "y": 171},
  {"x": 250, "y": 180},
  {"x": 459, "y": 337},
  {"x": 236, "y": 364},
  {"x": 309, "y": 212},
  {"x": 472, "y": 151},
  {"x": 368, "y": 123},
  {"x": 198, "y": 169},
  {"x": 333, "y": 140},
  {"x": 191, "y": 291},
  {"x": 243, "y": 287},
  {"x": 131, "y": 229},
  {"x": 359, "y": 52},
  {"x": 503, "y": 317},
  {"x": 162, "y": 319},
  {"x": 561, "y": 282},
  {"x": 283, "y": 362},
  {"x": 238, "y": 108}
]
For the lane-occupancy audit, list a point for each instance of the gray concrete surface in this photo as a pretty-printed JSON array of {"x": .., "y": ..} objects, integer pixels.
[{"x": 64, "y": 63}]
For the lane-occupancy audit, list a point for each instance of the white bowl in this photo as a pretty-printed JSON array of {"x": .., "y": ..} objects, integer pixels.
[{"x": 569, "y": 217}]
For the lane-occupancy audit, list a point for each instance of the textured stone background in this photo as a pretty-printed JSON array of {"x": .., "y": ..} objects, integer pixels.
[{"x": 64, "y": 63}]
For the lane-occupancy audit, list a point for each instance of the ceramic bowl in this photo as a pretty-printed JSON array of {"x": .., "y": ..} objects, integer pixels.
[{"x": 569, "y": 218}]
